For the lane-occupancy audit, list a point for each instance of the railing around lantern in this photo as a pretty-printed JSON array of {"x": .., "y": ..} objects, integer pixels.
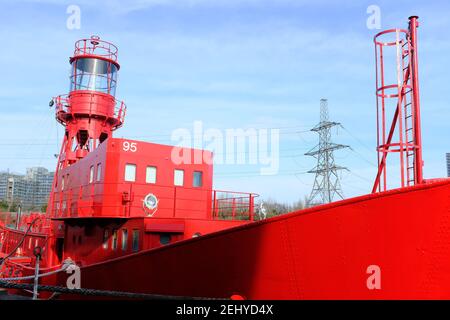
[
  {"x": 95, "y": 46},
  {"x": 127, "y": 200},
  {"x": 62, "y": 105}
]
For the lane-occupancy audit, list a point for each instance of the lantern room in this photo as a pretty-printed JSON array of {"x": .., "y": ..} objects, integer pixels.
[{"x": 94, "y": 66}]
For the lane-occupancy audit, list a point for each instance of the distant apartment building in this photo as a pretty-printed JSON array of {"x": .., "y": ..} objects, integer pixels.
[
  {"x": 31, "y": 190},
  {"x": 448, "y": 164}
]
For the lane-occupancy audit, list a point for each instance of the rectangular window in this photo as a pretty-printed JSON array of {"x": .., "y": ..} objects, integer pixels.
[
  {"x": 197, "y": 180},
  {"x": 178, "y": 177},
  {"x": 114, "y": 240},
  {"x": 124, "y": 239},
  {"x": 130, "y": 172},
  {"x": 62, "y": 183},
  {"x": 150, "y": 175},
  {"x": 91, "y": 174},
  {"x": 99, "y": 172},
  {"x": 135, "y": 243},
  {"x": 105, "y": 239}
]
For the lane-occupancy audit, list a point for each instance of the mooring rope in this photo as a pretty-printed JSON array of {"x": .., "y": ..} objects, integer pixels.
[
  {"x": 64, "y": 267},
  {"x": 95, "y": 292}
]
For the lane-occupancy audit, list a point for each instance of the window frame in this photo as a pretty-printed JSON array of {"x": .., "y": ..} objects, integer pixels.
[
  {"x": 105, "y": 244},
  {"x": 155, "y": 174},
  {"x": 128, "y": 165},
  {"x": 99, "y": 172},
  {"x": 135, "y": 240},
  {"x": 124, "y": 245},
  {"x": 175, "y": 171},
  {"x": 91, "y": 174},
  {"x": 114, "y": 239},
  {"x": 201, "y": 179}
]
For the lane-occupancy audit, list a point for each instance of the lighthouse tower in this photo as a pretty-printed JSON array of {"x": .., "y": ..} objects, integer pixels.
[{"x": 90, "y": 112}]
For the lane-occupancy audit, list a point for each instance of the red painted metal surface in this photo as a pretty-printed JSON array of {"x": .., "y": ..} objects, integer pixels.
[{"x": 318, "y": 253}]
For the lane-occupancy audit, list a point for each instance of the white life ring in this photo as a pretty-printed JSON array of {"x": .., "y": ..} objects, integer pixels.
[{"x": 150, "y": 204}]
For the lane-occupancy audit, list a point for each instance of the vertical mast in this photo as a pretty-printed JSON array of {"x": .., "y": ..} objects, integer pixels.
[
  {"x": 413, "y": 25},
  {"x": 398, "y": 97}
]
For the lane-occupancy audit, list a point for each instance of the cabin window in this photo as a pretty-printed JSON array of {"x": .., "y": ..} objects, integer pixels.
[
  {"x": 197, "y": 180},
  {"x": 105, "y": 239},
  {"x": 91, "y": 174},
  {"x": 99, "y": 171},
  {"x": 135, "y": 243},
  {"x": 150, "y": 175},
  {"x": 164, "y": 238},
  {"x": 178, "y": 177},
  {"x": 114, "y": 240},
  {"x": 130, "y": 172},
  {"x": 124, "y": 239}
]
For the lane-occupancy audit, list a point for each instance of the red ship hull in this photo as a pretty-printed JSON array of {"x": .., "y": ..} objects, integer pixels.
[{"x": 318, "y": 253}]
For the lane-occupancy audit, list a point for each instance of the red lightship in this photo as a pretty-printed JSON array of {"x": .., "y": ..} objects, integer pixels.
[{"x": 134, "y": 221}]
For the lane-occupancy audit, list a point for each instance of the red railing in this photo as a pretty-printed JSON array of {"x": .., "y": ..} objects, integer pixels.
[
  {"x": 10, "y": 238},
  {"x": 95, "y": 46},
  {"x": 126, "y": 200},
  {"x": 62, "y": 105},
  {"x": 229, "y": 205}
]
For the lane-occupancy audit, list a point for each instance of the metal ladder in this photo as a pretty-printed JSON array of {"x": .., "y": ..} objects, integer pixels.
[{"x": 408, "y": 114}]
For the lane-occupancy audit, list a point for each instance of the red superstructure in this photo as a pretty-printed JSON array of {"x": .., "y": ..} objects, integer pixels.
[
  {"x": 134, "y": 220},
  {"x": 114, "y": 197}
]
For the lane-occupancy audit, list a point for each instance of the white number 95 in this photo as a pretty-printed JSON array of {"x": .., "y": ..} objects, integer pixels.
[{"x": 127, "y": 146}]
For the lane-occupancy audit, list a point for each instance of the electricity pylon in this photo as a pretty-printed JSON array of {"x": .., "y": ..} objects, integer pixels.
[{"x": 326, "y": 183}]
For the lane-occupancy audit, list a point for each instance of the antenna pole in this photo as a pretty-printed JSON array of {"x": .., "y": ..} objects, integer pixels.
[{"x": 413, "y": 25}]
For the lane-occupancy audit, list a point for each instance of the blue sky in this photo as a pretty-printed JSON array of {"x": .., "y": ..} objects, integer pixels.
[{"x": 230, "y": 64}]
